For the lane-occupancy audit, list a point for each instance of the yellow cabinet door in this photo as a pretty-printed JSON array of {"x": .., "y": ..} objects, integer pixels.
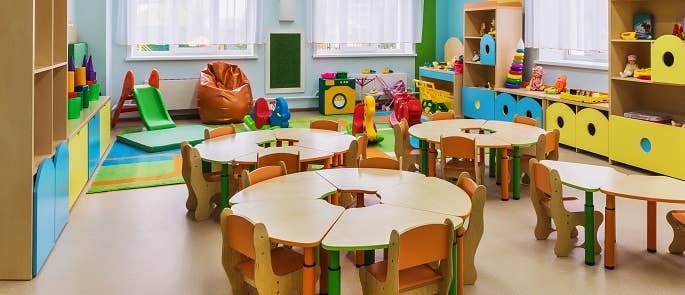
[
  {"x": 78, "y": 164},
  {"x": 563, "y": 117},
  {"x": 592, "y": 131},
  {"x": 647, "y": 145},
  {"x": 105, "y": 135}
]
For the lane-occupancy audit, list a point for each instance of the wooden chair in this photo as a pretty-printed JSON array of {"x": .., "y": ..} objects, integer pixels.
[
  {"x": 438, "y": 116},
  {"x": 525, "y": 120},
  {"x": 324, "y": 125},
  {"x": 408, "y": 267},
  {"x": 459, "y": 154},
  {"x": 411, "y": 156},
  {"x": 292, "y": 161},
  {"x": 203, "y": 188},
  {"x": 249, "y": 259},
  {"x": 474, "y": 232},
  {"x": 362, "y": 144},
  {"x": 220, "y": 131},
  {"x": 263, "y": 173},
  {"x": 567, "y": 213},
  {"x": 547, "y": 148},
  {"x": 381, "y": 163},
  {"x": 676, "y": 219}
]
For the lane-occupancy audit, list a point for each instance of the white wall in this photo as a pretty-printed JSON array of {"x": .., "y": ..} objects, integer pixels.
[{"x": 255, "y": 69}]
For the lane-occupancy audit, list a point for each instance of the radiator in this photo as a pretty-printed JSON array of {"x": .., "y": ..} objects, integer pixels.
[{"x": 179, "y": 94}]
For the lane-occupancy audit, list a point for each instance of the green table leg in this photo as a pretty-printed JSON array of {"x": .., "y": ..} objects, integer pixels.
[
  {"x": 423, "y": 144},
  {"x": 498, "y": 172},
  {"x": 224, "y": 185},
  {"x": 369, "y": 257},
  {"x": 493, "y": 166},
  {"x": 589, "y": 229},
  {"x": 455, "y": 268},
  {"x": 517, "y": 173},
  {"x": 333, "y": 272}
]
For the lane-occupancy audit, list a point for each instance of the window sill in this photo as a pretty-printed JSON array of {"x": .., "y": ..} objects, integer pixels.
[
  {"x": 189, "y": 57},
  {"x": 575, "y": 64},
  {"x": 344, "y": 55}
]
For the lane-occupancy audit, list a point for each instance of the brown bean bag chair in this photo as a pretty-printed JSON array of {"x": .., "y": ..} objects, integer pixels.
[{"x": 223, "y": 94}]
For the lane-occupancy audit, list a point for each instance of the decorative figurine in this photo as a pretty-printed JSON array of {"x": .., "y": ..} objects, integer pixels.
[
  {"x": 493, "y": 28},
  {"x": 536, "y": 83},
  {"x": 631, "y": 66},
  {"x": 678, "y": 30},
  {"x": 482, "y": 29},
  {"x": 476, "y": 56},
  {"x": 559, "y": 85}
]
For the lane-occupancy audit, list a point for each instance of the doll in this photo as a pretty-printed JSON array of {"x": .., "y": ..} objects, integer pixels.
[
  {"x": 631, "y": 66},
  {"x": 476, "y": 56},
  {"x": 493, "y": 29},
  {"x": 536, "y": 83},
  {"x": 482, "y": 29}
]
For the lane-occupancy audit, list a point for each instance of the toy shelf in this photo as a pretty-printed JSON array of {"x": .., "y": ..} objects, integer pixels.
[
  {"x": 42, "y": 108},
  {"x": 473, "y": 37},
  {"x": 59, "y": 105},
  {"x": 59, "y": 32},
  {"x": 43, "y": 33}
]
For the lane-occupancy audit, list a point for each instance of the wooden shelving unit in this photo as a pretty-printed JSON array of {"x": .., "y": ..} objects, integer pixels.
[
  {"x": 644, "y": 144},
  {"x": 33, "y": 117}
]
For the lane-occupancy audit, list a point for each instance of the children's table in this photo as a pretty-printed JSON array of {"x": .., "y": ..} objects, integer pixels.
[
  {"x": 589, "y": 179},
  {"x": 225, "y": 149},
  {"x": 308, "y": 185},
  {"x": 369, "y": 180},
  {"x": 377, "y": 222},
  {"x": 433, "y": 195},
  {"x": 652, "y": 189},
  {"x": 307, "y": 155},
  {"x": 302, "y": 223}
]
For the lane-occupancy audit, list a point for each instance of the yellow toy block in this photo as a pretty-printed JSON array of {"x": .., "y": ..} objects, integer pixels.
[{"x": 668, "y": 60}]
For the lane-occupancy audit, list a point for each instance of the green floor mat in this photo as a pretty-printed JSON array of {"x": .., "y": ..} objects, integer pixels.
[{"x": 164, "y": 139}]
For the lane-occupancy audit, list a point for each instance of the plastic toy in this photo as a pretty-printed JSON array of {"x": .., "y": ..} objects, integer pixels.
[
  {"x": 261, "y": 112},
  {"x": 328, "y": 75},
  {"x": 643, "y": 74},
  {"x": 362, "y": 81},
  {"x": 678, "y": 30},
  {"x": 151, "y": 107},
  {"x": 406, "y": 107},
  {"x": 587, "y": 96},
  {"x": 366, "y": 71},
  {"x": 642, "y": 25},
  {"x": 631, "y": 66},
  {"x": 476, "y": 56},
  {"x": 515, "y": 76},
  {"x": 387, "y": 71},
  {"x": 629, "y": 36},
  {"x": 362, "y": 120},
  {"x": 493, "y": 28},
  {"x": 224, "y": 94},
  {"x": 536, "y": 82},
  {"x": 559, "y": 85},
  {"x": 127, "y": 94},
  {"x": 280, "y": 116},
  {"x": 482, "y": 29}
]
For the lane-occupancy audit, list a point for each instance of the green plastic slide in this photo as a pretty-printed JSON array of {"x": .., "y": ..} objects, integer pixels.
[{"x": 151, "y": 107}]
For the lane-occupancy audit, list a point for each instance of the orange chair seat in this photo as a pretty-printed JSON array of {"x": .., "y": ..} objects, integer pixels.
[
  {"x": 410, "y": 278},
  {"x": 572, "y": 204},
  {"x": 679, "y": 216},
  {"x": 212, "y": 176},
  {"x": 283, "y": 261}
]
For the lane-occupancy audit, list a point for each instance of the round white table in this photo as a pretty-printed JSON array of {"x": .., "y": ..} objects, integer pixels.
[
  {"x": 307, "y": 155},
  {"x": 308, "y": 185}
]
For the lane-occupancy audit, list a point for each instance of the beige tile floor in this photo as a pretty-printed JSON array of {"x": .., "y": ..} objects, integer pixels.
[{"x": 141, "y": 242}]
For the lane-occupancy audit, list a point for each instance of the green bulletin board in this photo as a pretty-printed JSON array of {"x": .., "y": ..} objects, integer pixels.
[{"x": 285, "y": 67}]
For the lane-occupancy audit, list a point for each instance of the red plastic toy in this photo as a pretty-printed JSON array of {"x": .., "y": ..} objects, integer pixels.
[
  {"x": 358, "y": 119},
  {"x": 261, "y": 112},
  {"x": 406, "y": 107}
]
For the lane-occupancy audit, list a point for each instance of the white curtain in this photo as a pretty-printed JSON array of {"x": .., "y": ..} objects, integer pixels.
[
  {"x": 567, "y": 24},
  {"x": 365, "y": 21},
  {"x": 191, "y": 21}
]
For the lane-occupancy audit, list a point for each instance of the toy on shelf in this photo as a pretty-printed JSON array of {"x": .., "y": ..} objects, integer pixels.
[
  {"x": 127, "y": 94},
  {"x": 559, "y": 85},
  {"x": 643, "y": 74},
  {"x": 433, "y": 100},
  {"x": 458, "y": 64},
  {"x": 586, "y": 96},
  {"x": 678, "y": 30},
  {"x": 365, "y": 71},
  {"x": 629, "y": 36},
  {"x": 387, "y": 70},
  {"x": 515, "y": 76},
  {"x": 476, "y": 56},
  {"x": 536, "y": 82},
  {"x": 631, "y": 66},
  {"x": 328, "y": 75},
  {"x": 493, "y": 28},
  {"x": 482, "y": 29},
  {"x": 642, "y": 25},
  {"x": 280, "y": 116},
  {"x": 362, "y": 120},
  {"x": 649, "y": 116}
]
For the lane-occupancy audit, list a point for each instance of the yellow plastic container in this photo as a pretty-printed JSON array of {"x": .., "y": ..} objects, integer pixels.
[
  {"x": 586, "y": 99},
  {"x": 561, "y": 116},
  {"x": 592, "y": 131}
]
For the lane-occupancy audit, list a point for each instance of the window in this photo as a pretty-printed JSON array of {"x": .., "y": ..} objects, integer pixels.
[
  {"x": 365, "y": 28},
  {"x": 579, "y": 38},
  {"x": 191, "y": 29}
]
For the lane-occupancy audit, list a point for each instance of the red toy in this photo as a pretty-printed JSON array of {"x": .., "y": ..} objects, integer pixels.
[
  {"x": 127, "y": 94},
  {"x": 358, "y": 119},
  {"x": 261, "y": 112},
  {"x": 406, "y": 107}
]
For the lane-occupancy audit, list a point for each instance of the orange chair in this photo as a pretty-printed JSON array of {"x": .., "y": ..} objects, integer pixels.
[
  {"x": 203, "y": 188},
  {"x": 474, "y": 232},
  {"x": 263, "y": 173},
  {"x": 408, "y": 267},
  {"x": 381, "y": 163},
  {"x": 249, "y": 259},
  {"x": 351, "y": 158},
  {"x": 411, "y": 157},
  {"x": 676, "y": 219},
  {"x": 525, "y": 120},
  {"x": 292, "y": 161},
  {"x": 459, "y": 154},
  {"x": 438, "y": 116},
  {"x": 567, "y": 213},
  {"x": 220, "y": 131},
  {"x": 324, "y": 125},
  {"x": 362, "y": 143},
  {"x": 547, "y": 148}
]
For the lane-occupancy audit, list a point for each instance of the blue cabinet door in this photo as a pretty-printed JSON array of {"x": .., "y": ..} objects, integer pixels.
[
  {"x": 478, "y": 103},
  {"x": 531, "y": 108},
  {"x": 505, "y": 107},
  {"x": 43, "y": 213},
  {"x": 61, "y": 187},
  {"x": 93, "y": 143}
]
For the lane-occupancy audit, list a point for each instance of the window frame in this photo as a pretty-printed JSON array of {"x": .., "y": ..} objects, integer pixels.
[
  {"x": 404, "y": 50},
  {"x": 594, "y": 60}
]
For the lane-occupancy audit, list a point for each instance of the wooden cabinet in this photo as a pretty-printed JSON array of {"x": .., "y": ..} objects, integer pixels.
[
  {"x": 78, "y": 163},
  {"x": 563, "y": 117},
  {"x": 105, "y": 131},
  {"x": 592, "y": 131}
]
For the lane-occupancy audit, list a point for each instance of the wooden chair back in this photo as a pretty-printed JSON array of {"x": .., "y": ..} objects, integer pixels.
[
  {"x": 551, "y": 145},
  {"x": 525, "y": 120},
  {"x": 476, "y": 224},
  {"x": 449, "y": 115},
  {"x": 263, "y": 173},
  {"x": 547, "y": 186},
  {"x": 220, "y": 131},
  {"x": 381, "y": 163},
  {"x": 401, "y": 131},
  {"x": 324, "y": 125},
  {"x": 291, "y": 161},
  {"x": 351, "y": 158},
  {"x": 362, "y": 143},
  {"x": 458, "y": 147}
]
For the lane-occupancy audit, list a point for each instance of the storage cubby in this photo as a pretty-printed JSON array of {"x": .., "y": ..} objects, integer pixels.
[
  {"x": 43, "y": 34},
  {"x": 592, "y": 131},
  {"x": 59, "y": 32},
  {"x": 42, "y": 119},
  {"x": 475, "y": 17},
  {"x": 59, "y": 105},
  {"x": 563, "y": 117}
]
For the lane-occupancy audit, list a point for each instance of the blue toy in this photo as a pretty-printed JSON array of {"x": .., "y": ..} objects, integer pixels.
[{"x": 281, "y": 114}]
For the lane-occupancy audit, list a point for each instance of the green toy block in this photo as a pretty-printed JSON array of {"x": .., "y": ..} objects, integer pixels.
[
  {"x": 85, "y": 102},
  {"x": 77, "y": 51},
  {"x": 94, "y": 92},
  {"x": 74, "y": 108}
]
